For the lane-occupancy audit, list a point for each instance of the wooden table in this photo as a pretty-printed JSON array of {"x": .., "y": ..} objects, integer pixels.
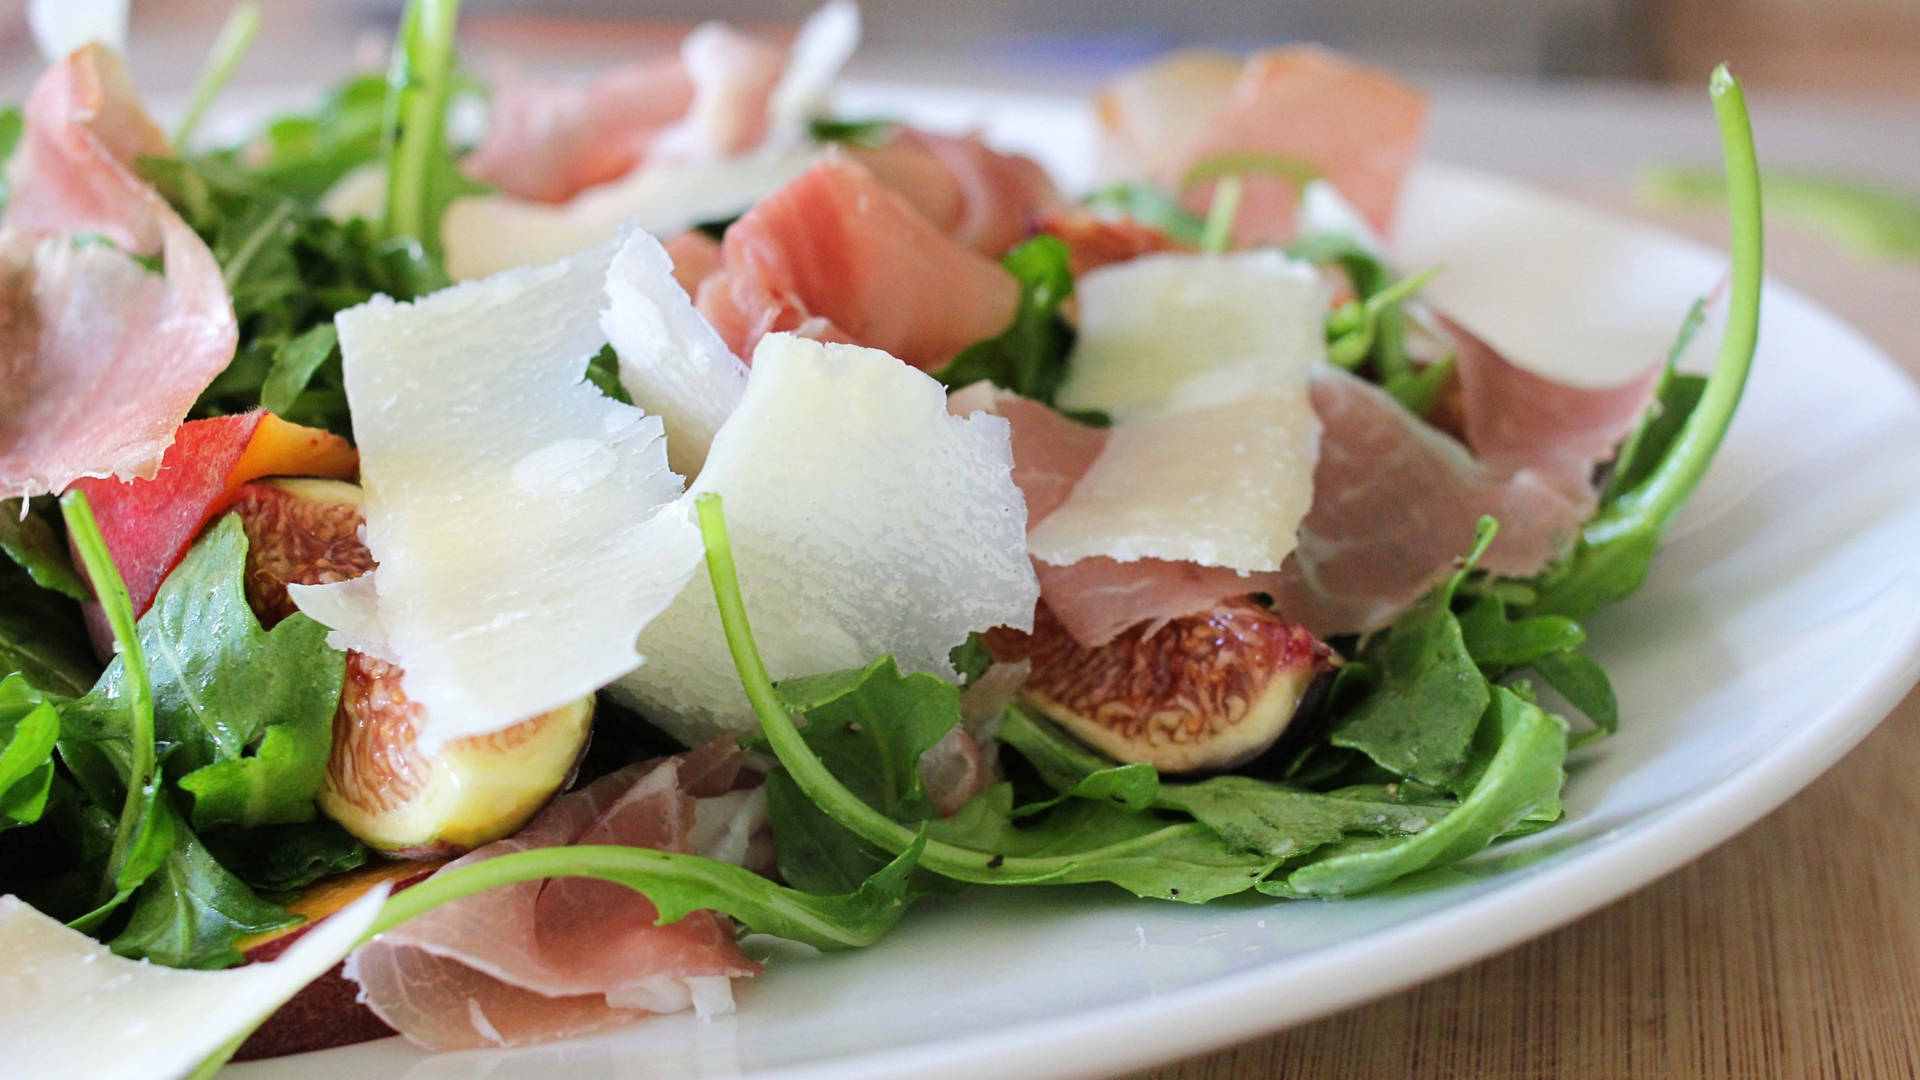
[{"x": 1791, "y": 952}]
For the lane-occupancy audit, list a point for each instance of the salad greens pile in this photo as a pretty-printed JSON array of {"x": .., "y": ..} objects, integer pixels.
[{"x": 164, "y": 801}]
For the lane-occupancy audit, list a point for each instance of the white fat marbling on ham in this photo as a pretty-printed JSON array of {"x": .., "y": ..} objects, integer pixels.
[
  {"x": 543, "y": 960},
  {"x": 100, "y": 358}
]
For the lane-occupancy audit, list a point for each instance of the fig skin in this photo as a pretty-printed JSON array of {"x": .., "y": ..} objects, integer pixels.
[
  {"x": 380, "y": 786},
  {"x": 1199, "y": 693}
]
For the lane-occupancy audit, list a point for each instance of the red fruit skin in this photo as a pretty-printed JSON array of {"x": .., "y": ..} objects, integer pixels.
[{"x": 148, "y": 525}]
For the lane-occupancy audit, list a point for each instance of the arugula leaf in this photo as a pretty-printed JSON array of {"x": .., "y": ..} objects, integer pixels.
[
  {"x": 29, "y": 540},
  {"x": 1073, "y": 770},
  {"x": 971, "y": 658},
  {"x": 1419, "y": 719},
  {"x": 1232, "y": 163},
  {"x": 1524, "y": 748},
  {"x": 603, "y": 371},
  {"x": 142, "y": 836},
  {"x": 1499, "y": 644},
  {"x": 1030, "y": 356},
  {"x": 1080, "y": 841},
  {"x": 283, "y": 858},
  {"x": 190, "y": 912},
  {"x": 422, "y": 176},
  {"x": 301, "y": 157},
  {"x": 1611, "y": 558},
  {"x": 1149, "y": 206},
  {"x": 246, "y": 713},
  {"x": 1674, "y": 399},
  {"x": 869, "y": 132},
  {"x": 1373, "y": 326},
  {"x": 42, "y": 636},
  {"x": 293, "y": 366},
  {"x": 29, "y": 727},
  {"x": 1872, "y": 220}
]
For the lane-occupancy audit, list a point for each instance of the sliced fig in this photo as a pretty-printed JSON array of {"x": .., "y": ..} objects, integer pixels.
[
  {"x": 1201, "y": 692},
  {"x": 380, "y": 786}
]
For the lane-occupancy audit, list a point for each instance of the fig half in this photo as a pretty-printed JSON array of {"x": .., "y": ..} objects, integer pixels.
[
  {"x": 380, "y": 786},
  {"x": 1198, "y": 693}
]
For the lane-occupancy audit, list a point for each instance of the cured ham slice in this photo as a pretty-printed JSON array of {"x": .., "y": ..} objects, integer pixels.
[
  {"x": 1400, "y": 502},
  {"x": 1093, "y": 241},
  {"x": 1515, "y": 419},
  {"x": 547, "y": 141},
  {"x": 542, "y": 960},
  {"x": 986, "y": 200},
  {"x": 1358, "y": 127},
  {"x": 695, "y": 256},
  {"x": 100, "y": 358},
  {"x": 838, "y": 256}
]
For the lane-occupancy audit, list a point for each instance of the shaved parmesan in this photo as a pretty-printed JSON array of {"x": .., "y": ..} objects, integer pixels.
[
  {"x": 865, "y": 520},
  {"x": 827, "y": 40},
  {"x": 510, "y": 506},
  {"x": 73, "y": 1008},
  {"x": 1168, "y": 331},
  {"x": 1204, "y": 361},
  {"x": 485, "y": 234},
  {"x": 671, "y": 362}
]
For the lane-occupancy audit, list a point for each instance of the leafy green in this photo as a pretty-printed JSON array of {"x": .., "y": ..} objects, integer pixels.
[
  {"x": 1419, "y": 719},
  {"x": 283, "y": 858},
  {"x": 29, "y": 540},
  {"x": 1674, "y": 399},
  {"x": 1871, "y": 219},
  {"x": 867, "y": 132},
  {"x": 1234, "y": 163},
  {"x": 142, "y": 835},
  {"x": 423, "y": 177},
  {"x": 1523, "y": 746},
  {"x": 246, "y": 713},
  {"x": 43, "y": 637},
  {"x": 290, "y": 268},
  {"x": 1287, "y": 823},
  {"x": 190, "y": 911},
  {"x": 1354, "y": 327},
  {"x": 1072, "y": 770},
  {"x": 603, "y": 371},
  {"x": 236, "y": 35},
  {"x": 1216, "y": 232},
  {"x": 1080, "y": 841},
  {"x": 1030, "y": 356},
  {"x": 1149, "y": 206},
  {"x": 29, "y": 728},
  {"x": 1611, "y": 558},
  {"x": 12, "y": 126},
  {"x": 302, "y": 156},
  {"x": 1369, "y": 333}
]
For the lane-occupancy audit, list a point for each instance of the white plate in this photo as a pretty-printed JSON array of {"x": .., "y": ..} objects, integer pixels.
[{"x": 1779, "y": 625}]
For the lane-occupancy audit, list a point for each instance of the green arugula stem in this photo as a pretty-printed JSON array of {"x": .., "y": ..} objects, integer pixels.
[
  {"x": 420, "y": 83},
  {"x": 143, "y": 783},
  {"x": 825, "y": 790},
  {"x": 236, "y": 36},
  {"x": 1216, "y": 235},
  {"x": 1654, "y": 502}
]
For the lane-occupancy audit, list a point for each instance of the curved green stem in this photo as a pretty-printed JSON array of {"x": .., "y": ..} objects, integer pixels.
[
  {"x": 236, "y": 36},
  {"x": 1654, "y": 502},
  {"x": 419, "y": 85}
]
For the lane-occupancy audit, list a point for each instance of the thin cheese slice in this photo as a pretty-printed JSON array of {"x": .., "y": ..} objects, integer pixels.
[
  {"x": 485, "y": 234},
  {"x": 73, "y": 1008},
  {"x": 865, "y": 520},
  {"x": 672, "y": 363},
  {"x": 1203, "y": 360},
  {"x": 511, "y": 507}
]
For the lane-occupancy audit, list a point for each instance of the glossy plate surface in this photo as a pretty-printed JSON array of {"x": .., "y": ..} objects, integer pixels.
[{"x": 1780, "y": 623}]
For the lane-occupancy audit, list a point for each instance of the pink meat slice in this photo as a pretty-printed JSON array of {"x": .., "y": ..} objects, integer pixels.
[
  {"x": 696, "y": 257},
  {"x": 547, "y": 141},
  {"x": 537, "y": 961},
  {"x": 1358, "y": 127},
  {"x": 100, "y": 358},
  {"x": 1396, "y": 502},
  {"x": 1516, "y": 420},
  {"x": 837, "y": 255},
  {"x": 986, "y": 200}
]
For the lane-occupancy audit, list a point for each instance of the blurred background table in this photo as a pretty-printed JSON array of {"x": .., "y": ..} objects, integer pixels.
[{"x": 1793, "y": 951}]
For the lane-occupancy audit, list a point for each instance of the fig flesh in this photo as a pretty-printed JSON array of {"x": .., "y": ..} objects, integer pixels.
[
  {"x": 1202, "y": 692},
  {"x": 380, "y": 785}
]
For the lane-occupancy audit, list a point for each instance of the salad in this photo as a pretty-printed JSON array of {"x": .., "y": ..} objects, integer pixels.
[{"x": 462, "y": 582}]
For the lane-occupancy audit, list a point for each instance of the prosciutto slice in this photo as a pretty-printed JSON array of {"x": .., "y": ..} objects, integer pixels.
[
  {"x": 838, "y": 256},
  {"x": 100, "y": 358},
  {"x": 986, "y": 200},
  {"x": 1398, "y": 502},
  {"x": 1358, "y": 127},
  {"x": 1516, "y": 420},
  {"x": 543, "y": 960},
  {"x": 547, "y": 141}
]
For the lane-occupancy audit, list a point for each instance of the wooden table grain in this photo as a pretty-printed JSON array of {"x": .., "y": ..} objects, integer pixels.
[{"x": 1791, "y": 952}]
